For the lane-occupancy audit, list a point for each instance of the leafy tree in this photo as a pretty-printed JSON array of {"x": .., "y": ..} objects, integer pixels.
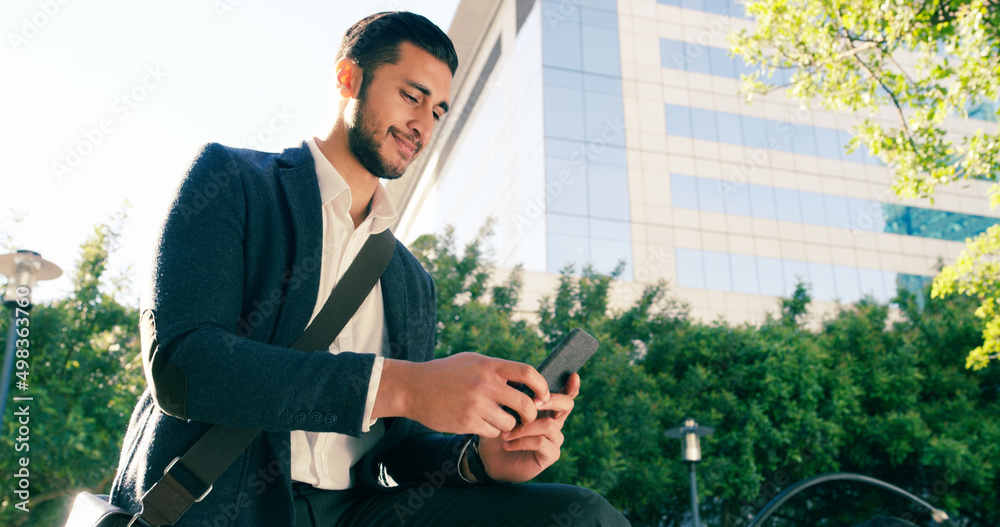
[
  {"x": 924, "y": 62},
  {"x": 867, "y": 392},
  {"x": 85, "y": 377}
]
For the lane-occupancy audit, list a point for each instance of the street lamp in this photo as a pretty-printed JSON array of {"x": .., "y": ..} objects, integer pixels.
[
  {"x": 23, "y": 269},
  {"x": 689, "y": 433}
]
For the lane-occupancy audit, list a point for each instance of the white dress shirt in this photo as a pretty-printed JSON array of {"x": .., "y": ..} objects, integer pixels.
[{"x": 324, "y": 460}]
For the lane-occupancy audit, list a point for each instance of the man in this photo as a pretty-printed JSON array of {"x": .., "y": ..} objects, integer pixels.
[{"x": 250, "y": 250}]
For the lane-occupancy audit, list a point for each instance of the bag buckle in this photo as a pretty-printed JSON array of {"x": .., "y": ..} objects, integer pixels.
[{"x": 203, "y": 494}]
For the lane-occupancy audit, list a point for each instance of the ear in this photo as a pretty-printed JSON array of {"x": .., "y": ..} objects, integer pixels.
[{"x": 349, "y": 76}]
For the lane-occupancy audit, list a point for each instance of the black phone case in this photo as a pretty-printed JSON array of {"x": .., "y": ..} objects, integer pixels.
[{"x": 572, "y": 352}]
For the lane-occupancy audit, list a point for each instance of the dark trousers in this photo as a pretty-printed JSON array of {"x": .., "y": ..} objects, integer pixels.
[{"x": 521, "y": 505}]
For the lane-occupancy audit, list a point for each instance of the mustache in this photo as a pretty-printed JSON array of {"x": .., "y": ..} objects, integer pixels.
[{"x": 418, "y": 144}]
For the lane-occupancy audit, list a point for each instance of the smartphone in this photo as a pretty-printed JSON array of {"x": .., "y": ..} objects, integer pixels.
[{"x": 568, "y": 357}]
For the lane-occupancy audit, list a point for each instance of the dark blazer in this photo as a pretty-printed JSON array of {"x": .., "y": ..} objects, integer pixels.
[{"x": 234, "y": 283}]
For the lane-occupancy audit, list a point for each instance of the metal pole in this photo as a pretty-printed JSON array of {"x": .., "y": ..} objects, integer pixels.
[
  {"x": 694, "y": 497},
  {"x": 8, "y": 365}
]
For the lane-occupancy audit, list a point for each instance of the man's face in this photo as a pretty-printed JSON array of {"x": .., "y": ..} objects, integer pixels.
[{"x": 396, "y": 113}]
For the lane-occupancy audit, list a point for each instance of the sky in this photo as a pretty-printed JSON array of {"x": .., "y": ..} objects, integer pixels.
[{"x": 105, "y": 103}]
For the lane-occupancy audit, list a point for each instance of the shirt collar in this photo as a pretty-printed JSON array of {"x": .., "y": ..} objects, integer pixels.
[{"x": 332, "y": 187}]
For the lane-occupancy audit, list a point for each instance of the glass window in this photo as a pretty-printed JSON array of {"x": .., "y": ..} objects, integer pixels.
[
  {"x": 600, "y": 51},
  {"x": 610, "y": 229},
  {"x": 572, "y": 197},
  {"x": 561, "y": 78},
  {"x": 605, "y": 119},
  {"x": 788, "y": 204},
  {"x": 837, "y": 214},
  {"x": 779, "y": 133},
  {"x": 561, "y": 39},
  {"x": 718, "y": 272},
  {"x": 672, "y": 54},
  {"x": 795, "y": 272},
  {"x": 608, "y": 192},
  {"x": 870, "y": 283},
  {"x": 729, "y": 128},
  {"x": 804, "y": 140},
  {"x": 812, "y": 208},
  {"x": 607, "y": 5},
  {"x": 709, "y": 196},
  {"x": 696, "y": 58},
  {"x": 679, "y": 120},
  {"x": 684, "y": 191},
  {"x": 607, "y": 254},
  {"x": 770, "y": 276},
  {"x": 828, "y": 144},
  {"x": 762, "y": 202},
  {"x": 744, "y": 273},
  {"x": 563, "y": 250},
  {"x": 690, "y": 268},
  {"x": 564, "y": 224},
  {"x": 721, "y": 64},
  {"x": 564, "y": 113},
  {"x": 607, "y": 19},
  {"x": 848, "y": 287},
  {"x": 823, "y": 286},
  {"x": 698, "y": 5},
  {"x": 736, "y": 196},
  {"x": 602, "y": 84},
  {"x": 754, "y": 131},
  {"x": 856, "y": 156},
  {"x": 703, "y": 124},
  {"x": 865, "y": 215}
]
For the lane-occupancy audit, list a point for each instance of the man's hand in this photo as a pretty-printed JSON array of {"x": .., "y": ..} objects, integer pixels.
[
  {"x": 460, "y": 394},
  {"x": 534, "y": 446}
]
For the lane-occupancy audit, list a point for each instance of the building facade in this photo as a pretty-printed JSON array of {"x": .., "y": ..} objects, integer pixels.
[{"x": 611, "y": 134}]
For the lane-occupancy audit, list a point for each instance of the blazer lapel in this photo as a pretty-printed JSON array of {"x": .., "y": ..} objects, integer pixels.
[{"x": 297, "y": 174}]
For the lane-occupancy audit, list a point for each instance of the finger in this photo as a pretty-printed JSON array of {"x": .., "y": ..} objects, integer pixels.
[
  {"x": 547, "y": 448},
  {"x": 519, "y": 402},
  {"x": 523, "y": 373},
  {"x": 539, "y": 427},
  {"x": 559, "y": 402},
  {"x": 572, "y": 387},
  {"x": 499, "y": 420}
]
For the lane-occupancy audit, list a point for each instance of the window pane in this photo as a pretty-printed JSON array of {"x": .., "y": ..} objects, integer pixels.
[
  {"x": 729, "y": 128},
  {"x": 770, "y": 276},
  {"x": 754, "y": 131},
  {"x": 812, "y": 208},
  {"x": 703, "y": 124},
  {"x": 607, "y": 254},
  {"x": 837, "y": 215},
  {"x": 564, "y": 250},
  {"x": 573, "y": 196},
  {"x": 737, "y": 197},
  {"x": 600, "y": 51},
  {"x": 846, "y": 278},
  {"x": 762, "y": 202},
  {"x": 744, "y": 273},
  {"x": 690, "y": 268},
  {"x": 564, "y": 113},
  {"x": 709, "y": 196},
  {"x": 561, "y": 40},
  {"x": 608, "y": 192},
  {"x": 788, "y": 204},
  {"x": 823, "y": 286},
  {"x": 717, "y": 271},
  {"x": 604, "y": 119},
  {"x": 870, "y": 283},
  {"x": 679, "y": 120},
  {"x": 683, "y": 191},
  {"x": 721, "y": 64}
]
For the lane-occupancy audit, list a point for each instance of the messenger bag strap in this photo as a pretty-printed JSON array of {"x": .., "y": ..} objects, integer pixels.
[{"x": 207, "y": 459}]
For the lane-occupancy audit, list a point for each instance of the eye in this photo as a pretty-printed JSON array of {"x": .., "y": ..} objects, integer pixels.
[
  {"x": 409, "y": 97},
  {"x": 437, "y": 116}
]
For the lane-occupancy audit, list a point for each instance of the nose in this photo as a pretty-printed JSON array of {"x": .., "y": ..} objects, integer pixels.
[{"x": 422, "y": 125}]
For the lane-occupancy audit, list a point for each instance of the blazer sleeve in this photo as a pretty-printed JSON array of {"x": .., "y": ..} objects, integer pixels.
[{"x": 197, "y": 299}]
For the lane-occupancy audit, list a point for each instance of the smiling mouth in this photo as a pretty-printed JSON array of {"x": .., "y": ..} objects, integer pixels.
[{"x": 408, "y": 148}]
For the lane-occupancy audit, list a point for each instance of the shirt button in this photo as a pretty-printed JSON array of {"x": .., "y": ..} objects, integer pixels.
[{"x": 331, "y": 419}]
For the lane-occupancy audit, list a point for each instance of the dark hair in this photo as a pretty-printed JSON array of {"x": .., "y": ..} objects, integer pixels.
[{"x": 375, "y": 39}]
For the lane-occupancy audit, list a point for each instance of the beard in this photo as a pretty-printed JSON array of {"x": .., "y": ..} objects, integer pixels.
[{"x": 362, "y": 139}]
